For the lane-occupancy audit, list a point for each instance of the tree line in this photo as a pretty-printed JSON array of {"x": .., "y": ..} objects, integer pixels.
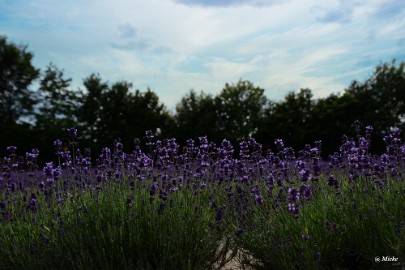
[{"x": 33, "y": 117}]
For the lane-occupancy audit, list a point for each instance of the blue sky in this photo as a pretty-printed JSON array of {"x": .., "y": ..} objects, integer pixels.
[{"x": 173, "y": 46}]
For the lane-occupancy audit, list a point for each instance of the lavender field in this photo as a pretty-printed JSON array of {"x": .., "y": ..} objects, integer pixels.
[{"x": 199, "y": 205}]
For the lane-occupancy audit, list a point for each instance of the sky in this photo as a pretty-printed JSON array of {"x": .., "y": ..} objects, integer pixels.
[{"x": 173, "y": 46}]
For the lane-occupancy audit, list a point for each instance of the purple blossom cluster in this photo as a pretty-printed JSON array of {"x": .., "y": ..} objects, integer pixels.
[
  {"x": 245, "y": 184},
  {"x": 253, "y": 177}
]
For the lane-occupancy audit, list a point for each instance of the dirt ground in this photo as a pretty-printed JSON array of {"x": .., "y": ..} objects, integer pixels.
[{"x": 232, "y": 265}]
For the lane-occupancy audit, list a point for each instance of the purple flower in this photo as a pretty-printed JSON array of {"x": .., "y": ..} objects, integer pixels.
[
  {"x": 42, "y": 185},
  {"x": 332, "y": 181},
  {"x": 161, "y": 208},
  {"x": 300, "y": 165},
  {"x": 32, "y": 155},
  {"x": 356, "y": 125},
  {"x": 244, "y": 150},
  {"x": 305, "y": 237},
  {"x": 279, "y": 144},
  {"x": 220, "y": 213},
  {"x": 33, "y": 203},
  {"x": 204, "y": 160},
  {"x": 48, "y": 169},
  {"x": 12, "y": 149},
  {"x": 163, "y": 195},
  {"x": 72, "y": 132},
  {"x": 58, "y": 145},
  {"x": 118, "y": 145},
  {"x": 153, "y": 189},
  {"x": 369, "y": 129},
  {"x": 203, "y": 142},
  {"x": 51, "y": 172},
  {"x": 305, "y": 175},
  {"x": 226, "y": 149},
  {"x": 172, "y": 146},
  {"x": 149, "y": 135},
  {"x": 259, "y": 199},
  {"x": 293, "y": 194},
  {"x": 293, "y": 208},
  {"x": 384, "y": 159},
  {"x": 314, "y": 151},
  {"x": 364, "y": 143},
  {"x": 306, "y": 191},
  {"x": 56, "y": 173}
]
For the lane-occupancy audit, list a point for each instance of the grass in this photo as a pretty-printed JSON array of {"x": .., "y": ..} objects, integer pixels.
[
  {"x": 334, "y": 231},
  {"x": 117, "y": 228}
]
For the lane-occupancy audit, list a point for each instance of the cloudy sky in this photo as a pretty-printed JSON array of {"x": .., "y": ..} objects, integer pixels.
[{"x": 173, "y": 46}]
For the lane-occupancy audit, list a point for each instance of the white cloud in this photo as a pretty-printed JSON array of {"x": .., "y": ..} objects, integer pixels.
[
  {"x": 173, "y": 46},
  {"x": 222, "y": 68},
  {"x": 228, "y": 3}
]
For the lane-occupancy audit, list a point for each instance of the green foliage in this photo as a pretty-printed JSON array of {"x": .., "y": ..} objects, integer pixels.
[
  {"x": 105, "y": 113},
  {"x": 58, "y": 103},
  {"x": 57, "y": 109},
  {"x": 333, "y": 116},
  {"x": 16, "y": 75},
  {"x": 291, "y": 119},
  {"x": 90, "y": 118},
  {"x": 239, "y": 110},
  {"x": 16, "y": 98},
  {"x": 347, "y": 228},
  {"x": 196, "y": 116},
  {"x": 117, "y": 228},
  {"x": 115, "y": 112},
  {"x": 380, "y": 99}
]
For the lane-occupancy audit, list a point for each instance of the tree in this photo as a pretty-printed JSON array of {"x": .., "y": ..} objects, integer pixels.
[
  {"x": 333, "y": 117},
  {"x": 16, "y": 75},
  {"x": 57, "y": 110},
  {"x": 16, "y": 99},
  {"x": 146, "y": 112},
  {"x": 127, "y": 115},
  {"x": 91, "y": 109},
  {"x": 379, "y": 101},
  {"x": 115, "y": 115},
  {"x": 382, "y": 97},
  {"x": 108, "y": 113},
  {"x": 196, "y": 116},
  {"x": 239, "y": 110},
  {"x": 290, "y": 119},
  {"x": 59, "y": 104}
]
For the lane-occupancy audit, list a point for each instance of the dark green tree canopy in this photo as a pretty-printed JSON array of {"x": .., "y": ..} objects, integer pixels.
[
  {"x": 196, "y": 114},
  {"x": 90, "y": 111},
  {"x": 111, "y": 112},
  {"x": 382, "y": 97},
  {"x": 16, "y": 75},
  {"x": 239, "y": 109},
  {"x": 290, "y": 119},
  {"x": 58, "y": 106}
]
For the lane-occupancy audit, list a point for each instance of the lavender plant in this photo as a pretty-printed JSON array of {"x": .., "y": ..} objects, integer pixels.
[
  {"x": 199, "y": 206},
  {"x": 350, "y": 213}
]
